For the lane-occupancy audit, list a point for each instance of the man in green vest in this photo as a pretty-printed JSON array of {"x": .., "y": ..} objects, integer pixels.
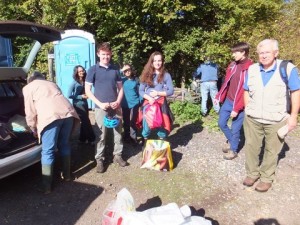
[{"x": 267, "y": 101}]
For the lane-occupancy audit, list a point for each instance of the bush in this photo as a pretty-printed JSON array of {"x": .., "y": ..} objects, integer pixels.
[
  {"x": 185, "y": 112},
  {"x": 211, "y": 121}
]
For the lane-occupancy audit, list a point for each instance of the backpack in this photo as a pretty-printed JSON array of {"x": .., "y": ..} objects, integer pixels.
[
  {"x": 283, "y": 70},
  {"x": 284, "y": 77}
]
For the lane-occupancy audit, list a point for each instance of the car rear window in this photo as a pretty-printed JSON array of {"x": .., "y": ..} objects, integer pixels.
[
  {"x": 11, "y": 89},
  {"x": 14, "y": 51}
]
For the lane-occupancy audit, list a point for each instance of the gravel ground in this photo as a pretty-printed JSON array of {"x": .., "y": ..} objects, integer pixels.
[{"x": 211, "y": 186}]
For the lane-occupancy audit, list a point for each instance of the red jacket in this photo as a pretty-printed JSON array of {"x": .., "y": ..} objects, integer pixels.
[
  {"x": 167, "y": 115},
  {"x": 238, "y": 103}
]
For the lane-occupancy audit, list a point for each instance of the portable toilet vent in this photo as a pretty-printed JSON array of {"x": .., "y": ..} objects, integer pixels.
[{"x": 77, "y": 47}]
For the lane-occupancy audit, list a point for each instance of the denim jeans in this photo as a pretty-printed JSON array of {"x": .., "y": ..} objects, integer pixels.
[
  {"x": 211, "y": 88},
  {"x": 86, "y": 129},
  {"x": 232, "y": 134},
  {"x": 56, "y": 136},
  {"x": 129, "y": 119}
]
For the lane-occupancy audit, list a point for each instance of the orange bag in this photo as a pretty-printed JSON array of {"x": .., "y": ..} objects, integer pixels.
[{"x": 157, "y": 155}]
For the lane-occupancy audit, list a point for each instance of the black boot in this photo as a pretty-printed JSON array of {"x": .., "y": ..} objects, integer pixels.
[
  {"x": 47, "y": 177},
  {"x": 66, "y": 173}
]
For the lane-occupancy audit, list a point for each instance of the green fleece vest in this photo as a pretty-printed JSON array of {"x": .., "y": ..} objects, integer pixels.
[{"x": 267, "y": 104}]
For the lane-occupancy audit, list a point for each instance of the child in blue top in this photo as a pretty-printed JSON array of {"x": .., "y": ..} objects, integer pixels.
[{"x": 130, "y": 104}]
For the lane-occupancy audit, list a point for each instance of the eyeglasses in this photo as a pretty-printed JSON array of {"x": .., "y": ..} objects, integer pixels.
[{"x": 125, "y": 71}]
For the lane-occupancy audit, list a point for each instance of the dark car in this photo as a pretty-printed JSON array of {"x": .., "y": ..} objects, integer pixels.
[{"x": 20, "y": 43}]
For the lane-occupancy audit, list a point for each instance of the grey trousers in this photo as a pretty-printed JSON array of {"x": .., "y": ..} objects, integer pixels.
[{"x": 102, "y": 133}]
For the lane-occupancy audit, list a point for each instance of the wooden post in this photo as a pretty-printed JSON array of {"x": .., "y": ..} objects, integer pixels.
[
  {"x": 50, "y": 66},
  {"x": 182, "y": 88}
]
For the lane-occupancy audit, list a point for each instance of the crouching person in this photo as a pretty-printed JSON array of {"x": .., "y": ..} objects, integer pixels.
[{"x": 51, "y": 118}]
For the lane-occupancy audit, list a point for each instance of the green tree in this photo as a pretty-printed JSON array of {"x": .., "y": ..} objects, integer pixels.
[
  {"x": 287, "y": 31},
  {"x": 186, "y": 31}
]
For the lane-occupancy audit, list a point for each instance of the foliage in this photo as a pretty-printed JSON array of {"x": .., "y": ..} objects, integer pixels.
[
  {"x": 287, "y": 31},
  {"x": 211, "y": 121},
  {"x": 186, "y": 31},
  {"x": 185, "y": 112}
]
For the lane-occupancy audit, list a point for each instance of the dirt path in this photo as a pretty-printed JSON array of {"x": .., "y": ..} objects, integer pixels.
[{"x": 201, "y": 179}]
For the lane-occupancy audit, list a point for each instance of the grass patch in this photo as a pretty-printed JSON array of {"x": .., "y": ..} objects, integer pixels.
[{"x": 179, "y": 186}]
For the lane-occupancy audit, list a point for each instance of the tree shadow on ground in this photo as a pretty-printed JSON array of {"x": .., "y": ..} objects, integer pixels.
[
  {"x": 184, "y": 134},
  {"x": 131, "y": 150},
  {"x": 270, "y": 221},
  {"x": 181, "y": 137},
  {"x": 82, "y": 158},
  {"x": 22, "y": 203},
  {"x": 83, "y": 155},
  {"x": 177, "y": 156}
]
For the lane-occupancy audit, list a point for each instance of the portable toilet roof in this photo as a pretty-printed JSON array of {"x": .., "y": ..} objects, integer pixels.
[{"x": 77, "y": 47}]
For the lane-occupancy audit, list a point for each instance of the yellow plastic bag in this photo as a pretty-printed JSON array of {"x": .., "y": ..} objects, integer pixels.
[{"x": 157, "y": 155}]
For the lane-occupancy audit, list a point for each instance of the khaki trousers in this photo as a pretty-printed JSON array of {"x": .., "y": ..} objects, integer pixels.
[
  {"x": 255, "y": 134},
  {"x": 101, "y": 133}
]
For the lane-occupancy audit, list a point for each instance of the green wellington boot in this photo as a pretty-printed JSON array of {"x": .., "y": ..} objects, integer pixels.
[
  {"x": 66, "y": 164},
  {"x": 47, "y": 177}
]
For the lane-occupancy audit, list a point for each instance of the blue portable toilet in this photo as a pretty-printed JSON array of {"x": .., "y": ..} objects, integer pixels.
[
  {"x": 77, "y": 47},
  {"x": 6, "y": 58}
]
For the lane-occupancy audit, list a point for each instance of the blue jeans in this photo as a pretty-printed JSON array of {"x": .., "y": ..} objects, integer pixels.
[
  {"x": 86, "y": 130},
  {"x": 232, "y": 134},
  {"x": 211, "y": 88},
  {"x": 129, "y": 118},
  {"x": 56, "y": 136}
]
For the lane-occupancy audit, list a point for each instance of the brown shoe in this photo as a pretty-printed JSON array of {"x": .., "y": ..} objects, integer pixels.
[
  {"x": 100, "y": 166},
  {"x": 118, "y": 159},
  {"x": 263, "y": 186},
  {"x": 226, "y": 147},
  {"x": 249, "y": 181},
  {"x": 230, "y": 155}
]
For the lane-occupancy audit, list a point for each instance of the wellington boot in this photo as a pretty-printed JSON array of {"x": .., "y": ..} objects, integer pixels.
[
  {"x": 47, "y": 177},
  {"x": 66, "y": 173},
  {"x": 144, "y": 142}
]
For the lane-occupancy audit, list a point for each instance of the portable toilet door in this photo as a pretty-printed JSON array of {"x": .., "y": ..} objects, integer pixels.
[{"x": 77, "y": 47}]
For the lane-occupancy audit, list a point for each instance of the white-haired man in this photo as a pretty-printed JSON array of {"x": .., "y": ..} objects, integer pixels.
[{"x": 267, "y": 99}]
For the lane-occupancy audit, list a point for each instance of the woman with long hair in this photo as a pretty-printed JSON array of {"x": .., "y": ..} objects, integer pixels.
[
  {"x": 77, "y": 94},
  {"x": 155, "y": 85}
]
